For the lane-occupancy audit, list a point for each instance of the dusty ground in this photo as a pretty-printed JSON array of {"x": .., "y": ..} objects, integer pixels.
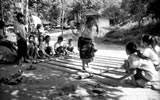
[{"x": 51, "y": 82}]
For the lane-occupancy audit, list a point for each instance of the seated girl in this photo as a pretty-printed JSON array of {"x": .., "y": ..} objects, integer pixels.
[
  {"x": 48, "y": 48},
  {"x": 141, "y": 69},
  {"x": 69, "y": 46},
  {"x": 41, "y": 48},
  {"x": 148, "y": 51},
  {"x": 32, "y": 48},
  {"x": 59, "y": 47}
]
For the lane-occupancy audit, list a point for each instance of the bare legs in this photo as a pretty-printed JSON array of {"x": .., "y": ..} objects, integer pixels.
[{"x": 84, "y": 62}]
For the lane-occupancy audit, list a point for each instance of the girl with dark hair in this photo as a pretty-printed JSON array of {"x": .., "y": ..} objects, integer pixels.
[
  {"x": 48, "y": 47},
  {"x": 41, "y": 47},
  {"x": 85, "y": 42},
  {"x": 59, "y": 47},
  {"x": 32, "y": 47},
  {"x": 141, "y": 68},
  {"x": 148, "y": 51}
]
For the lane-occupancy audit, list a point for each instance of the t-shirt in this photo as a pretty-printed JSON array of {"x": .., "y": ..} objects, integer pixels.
[
  {"x": 88, "y": 33},
  {"x": 145, "y": 65},
  {"x": 20, "y": 30},
  {"x": 57, "y": 45},
  {"x": 149, "y": 52},
  {"x": 157, "y": 49}
]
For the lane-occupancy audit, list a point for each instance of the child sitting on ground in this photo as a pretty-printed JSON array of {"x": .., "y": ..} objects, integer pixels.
[
  {"x": 148, "y": 51},
  {"x": 141, "y": 69},
  {"x": 41, "y": 48},
  {"x": 59, "y": 47},
  {"x": 69, "y": 46},
  {"x": 32, "y": 48},
  {"x": 48, "y": 48}
]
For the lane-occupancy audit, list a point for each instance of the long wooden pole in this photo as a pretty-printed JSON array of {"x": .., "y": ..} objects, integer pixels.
[{"x": 62, "y": 16}]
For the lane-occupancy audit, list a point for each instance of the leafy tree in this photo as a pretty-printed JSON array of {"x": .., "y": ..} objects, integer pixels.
[
  {"x": 137, "y": 9},
  {"x": 154, "y": 8}
]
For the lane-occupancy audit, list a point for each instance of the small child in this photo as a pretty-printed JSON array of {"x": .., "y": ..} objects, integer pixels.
[
  {"x": 48, "y": 48},
  {"x": 59, "y": 47},
  {"x": 41, "y": 47},
  {"x": 69, "y": 46},
  {"x": 32, "y": 48}
]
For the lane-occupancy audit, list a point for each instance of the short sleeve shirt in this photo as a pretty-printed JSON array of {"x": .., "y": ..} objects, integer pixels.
[
  {"x": 20, "y": 30},
  {"x": 150, "y": 53},
  {"x": 146, "y": 65}
]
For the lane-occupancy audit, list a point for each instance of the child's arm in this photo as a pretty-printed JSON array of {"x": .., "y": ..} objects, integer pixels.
[
  {"x": 74, "y": 33},
  {"x": 132, "y": 72}
]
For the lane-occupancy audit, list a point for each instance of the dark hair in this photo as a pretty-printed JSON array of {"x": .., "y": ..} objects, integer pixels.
[
  {"x": 47, "y": 36},
  {"x": 31, "y": 36},
  {"x": 147, "y": 39},
  {"x": 70, "y": 40},
  {"x": 89, "y": 19},
  {"x": 19, "y": 15},
  {"x": 132, "y": 48},
  {"x": 156, "y": 40},
  {"x": 2, "y": 24},
  {"x": 40, "y": 36},
  {"x": 38, "y": 26},
  {"x": 60, "y": 38}
]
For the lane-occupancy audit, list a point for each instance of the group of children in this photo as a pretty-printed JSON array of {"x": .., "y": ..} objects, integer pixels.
[
  {"x": 43, "y": 49},
  {"x": 143, "y": 64}
]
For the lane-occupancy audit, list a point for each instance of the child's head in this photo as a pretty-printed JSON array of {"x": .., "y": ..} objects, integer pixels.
[
  {"x": 156, "y": 41},
  {"x": 38, "y": 26},
  {"x": 70, "y": 40},
  {"x": 31, "y": 38},
  {"x": 20, "y": 18},
  {"x": 47, "y": 38},
  {"x": 60, "y": 39},
  {"x": 146, "y": 40},
  {"x": 131, "y": 48},
  {"x": 41, "y": 38},
  {"x": 90, "y": 21}
]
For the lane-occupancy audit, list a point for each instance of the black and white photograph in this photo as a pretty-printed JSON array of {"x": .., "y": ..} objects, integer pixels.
[{"x": 79, "y": 49}]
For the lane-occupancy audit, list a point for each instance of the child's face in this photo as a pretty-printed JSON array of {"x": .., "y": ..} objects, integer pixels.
[
  {"x": 48, "y": 39},
  {"x": 143, "y": 44},
  {"x": 128, "y": 52},
  {"x": 41, "y": 38},
  {"x": 31, "y": 39}
]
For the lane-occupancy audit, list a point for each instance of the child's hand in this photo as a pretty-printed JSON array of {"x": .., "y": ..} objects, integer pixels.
[{"x": 120, "y": 80}]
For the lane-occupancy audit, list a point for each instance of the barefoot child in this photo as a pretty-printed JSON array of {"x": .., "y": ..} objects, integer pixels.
[
  {"x": 48, "y": 48},
  {"x": 59, "y": 47},
  {"x": 85, "y": 42}
]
